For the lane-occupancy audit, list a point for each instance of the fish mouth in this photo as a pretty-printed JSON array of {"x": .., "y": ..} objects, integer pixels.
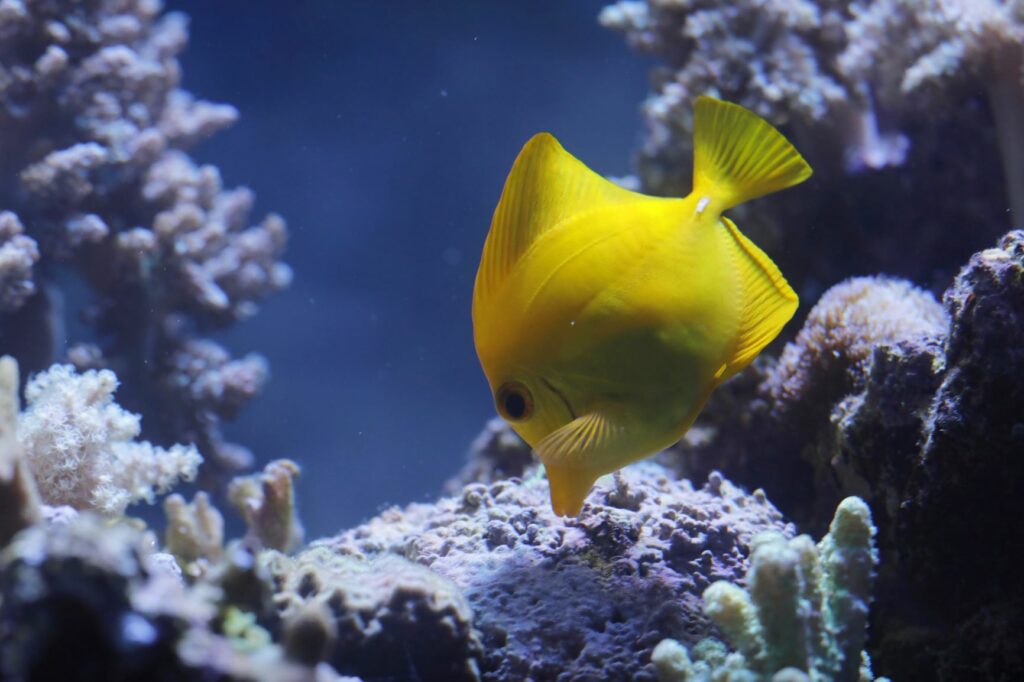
[{"x": 565, "y": 401}]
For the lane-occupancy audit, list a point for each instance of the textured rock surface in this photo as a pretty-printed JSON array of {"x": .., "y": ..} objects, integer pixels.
[
  {"x": 922, "y": 420},
  {"x": 393, "y": 619},
  {"x": 578, "y": 598}
]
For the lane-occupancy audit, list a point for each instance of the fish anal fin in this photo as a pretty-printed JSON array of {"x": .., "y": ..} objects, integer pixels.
[
  {"x": 738, "y": 156},
  {"x": 767, "y": 302},
  {"x": 578, "y": 454},
  {"x": 546, "y": 187},
  {"x": 569, "y": 489}
]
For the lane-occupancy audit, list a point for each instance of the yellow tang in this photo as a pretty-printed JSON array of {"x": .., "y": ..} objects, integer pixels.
[{"x": 604, "y": 318}]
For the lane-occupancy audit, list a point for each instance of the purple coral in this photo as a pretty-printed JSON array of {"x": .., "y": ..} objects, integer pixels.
[
  {"x": 94, "y": 127},
  {"x": 578, "y": 598}
]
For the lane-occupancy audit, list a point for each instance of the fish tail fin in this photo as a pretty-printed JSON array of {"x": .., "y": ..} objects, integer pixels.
[
  {"x": 738, "y": 156},
  {"x": 768, "y": 302}
]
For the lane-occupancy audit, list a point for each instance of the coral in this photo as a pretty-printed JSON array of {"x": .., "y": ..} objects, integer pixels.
[
  {"x": 577, "y": 598},
  {"x": 79, "y": 444},
  {"x": 88, "y": 599},
  {"x": 267, "y": 503},
  {"x": 832, "y": 350},
  {"x": 94, "y": 128},
  {"x": 823, "y": 71},
  {"x": 194, "y": 533},
  {"x": 803, "y": 615},
  {"x": 773, "y": 58},
  {"x": 18, "y": 253},
  {"x": 85, "y": 593},
  {"x": 912, "y": 49},
  {"x": 394, "y": 619},
  {"x": 19, "y": 500}
]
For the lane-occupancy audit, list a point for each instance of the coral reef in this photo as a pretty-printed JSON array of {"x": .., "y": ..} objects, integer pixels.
[
  {"x": 95, "y": 178},
  {"x": 390, "y": 618},
  {"x": 919, "y": 417},
  {"x": 79, "y": 444},
  {"x": 267, "y": 503},
  {"x": 577, "y": 598},
  {"x": 803, "y": 615},
  {"x": 856, "y": 85},
  {"x": 87, "y": 599},
  {"x": 194, "y": 533}
]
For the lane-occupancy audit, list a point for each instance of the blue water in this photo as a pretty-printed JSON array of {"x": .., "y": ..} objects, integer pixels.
[{"x": 383, "y": 133}]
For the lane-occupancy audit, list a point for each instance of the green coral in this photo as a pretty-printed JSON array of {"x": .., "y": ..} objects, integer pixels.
[{"x": 802, "y": 617}]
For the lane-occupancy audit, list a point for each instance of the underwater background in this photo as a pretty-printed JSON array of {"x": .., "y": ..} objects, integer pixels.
[
  {"x": 384, "y": 132},
  {"x": 244, "y": 434}
]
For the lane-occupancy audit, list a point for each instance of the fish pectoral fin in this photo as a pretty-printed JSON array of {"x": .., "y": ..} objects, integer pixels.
[
  {"x": 738, "y": 156},
  {"x": 767, "y": 301},
  {"x": 576, "y": 455},
  {"x": 546, "y": 187}
]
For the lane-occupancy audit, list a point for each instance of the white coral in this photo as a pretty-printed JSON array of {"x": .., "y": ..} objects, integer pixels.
[{"x": 80, "y": 444}]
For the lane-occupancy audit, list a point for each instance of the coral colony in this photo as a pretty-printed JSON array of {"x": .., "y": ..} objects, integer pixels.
[{"x": 889, "y": 426}]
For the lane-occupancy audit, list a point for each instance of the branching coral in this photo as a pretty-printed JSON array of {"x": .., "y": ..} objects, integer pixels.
[
  {"x": 803, "y": 615},
  {"x": 94, "y": 126},
  {"x": 18, "y": 253},
  {"x": 79, "y": 444},
  {"x": 267, "y": 503}
]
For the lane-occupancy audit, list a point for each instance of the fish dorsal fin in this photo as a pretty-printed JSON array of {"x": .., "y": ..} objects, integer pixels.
[
  {"x": 575, "y": 456},
  {"x": 546, "y": 187},
  {"x": 767, "y": 302},
  {"x": 738, "y": 156}
]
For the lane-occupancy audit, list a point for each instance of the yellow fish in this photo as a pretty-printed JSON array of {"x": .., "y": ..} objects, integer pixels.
[{"x": 603, "y": 318}]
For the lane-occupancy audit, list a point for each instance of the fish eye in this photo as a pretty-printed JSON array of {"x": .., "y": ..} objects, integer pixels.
[{"x": 514, "y": 401}]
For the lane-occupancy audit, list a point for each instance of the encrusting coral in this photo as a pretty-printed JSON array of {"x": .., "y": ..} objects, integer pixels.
[
  {"x": 576, "y": 598},
  {"x": 79, "y": 444},
  {"x": 94, "y": 176},
  {"x": 802, "y": 616},
  {"x": 389, "y": 618}
]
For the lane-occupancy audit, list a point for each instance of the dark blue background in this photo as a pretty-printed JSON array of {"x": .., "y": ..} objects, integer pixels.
[{"x": 383, "y": 132}]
